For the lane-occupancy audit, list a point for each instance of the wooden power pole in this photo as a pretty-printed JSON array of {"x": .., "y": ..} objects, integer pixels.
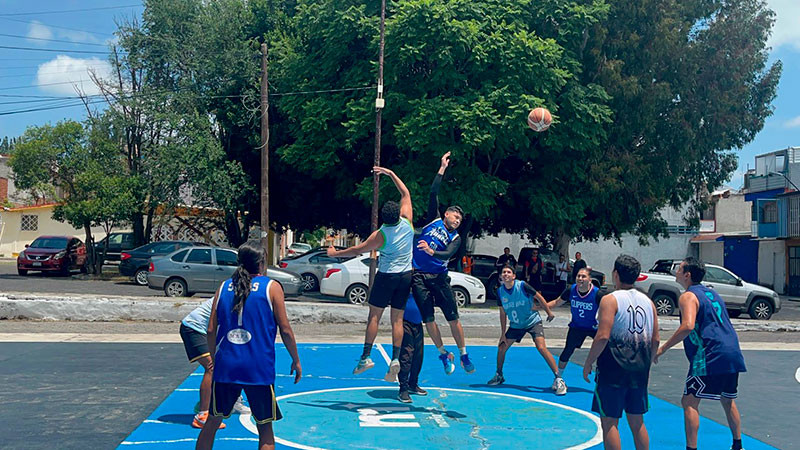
[
  {"x": 379, "y": 104},
  {"x": 265, "y": 235}
]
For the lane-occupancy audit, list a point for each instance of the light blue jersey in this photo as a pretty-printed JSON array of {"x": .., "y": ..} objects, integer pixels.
[
  {"x": 398, "y": 242},
  {"x": 518, "y": 306},
  {"x": 198, "y": 319}
]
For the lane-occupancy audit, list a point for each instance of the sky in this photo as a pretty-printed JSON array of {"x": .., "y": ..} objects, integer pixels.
[{"x": 71, "y": 37}]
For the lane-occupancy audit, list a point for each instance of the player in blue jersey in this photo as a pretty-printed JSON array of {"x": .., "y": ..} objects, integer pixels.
[
  {"x": 712, "y": 347},
  {"x": 518, "y": 307},
  {"x": 395, "y": 240},
  {"x": 436, "y": 244},
  {"x": 248, "y": 309},
  {"x": 584, "y": 300},
  {"x": 411, "y": 353}
]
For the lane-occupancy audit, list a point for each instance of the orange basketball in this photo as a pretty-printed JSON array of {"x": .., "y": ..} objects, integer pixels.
[{"x": 539, "y": 119}]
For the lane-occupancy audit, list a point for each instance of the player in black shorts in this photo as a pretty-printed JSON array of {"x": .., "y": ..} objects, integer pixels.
[{"x": 392, "y": 283}]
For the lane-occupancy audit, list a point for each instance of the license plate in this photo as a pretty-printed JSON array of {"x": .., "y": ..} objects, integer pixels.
[{"x": 37, "y": 264}]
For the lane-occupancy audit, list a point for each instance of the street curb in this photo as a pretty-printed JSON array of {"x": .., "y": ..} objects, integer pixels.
[{"x": 93, "y": 308}]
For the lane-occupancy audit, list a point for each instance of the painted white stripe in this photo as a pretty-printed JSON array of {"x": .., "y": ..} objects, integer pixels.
[
  {"x": 384, "y": 354},
  {"x": 175, "y": 441},
  {"x": 186, "y": 390},
  {"x": 797, "y": 375}
]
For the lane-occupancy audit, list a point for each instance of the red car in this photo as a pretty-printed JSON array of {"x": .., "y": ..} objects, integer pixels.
[{"x": 61, "y": 254}]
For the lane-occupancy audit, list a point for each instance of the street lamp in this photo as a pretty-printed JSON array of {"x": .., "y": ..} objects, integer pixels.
[{"x": 785, "y": 177}]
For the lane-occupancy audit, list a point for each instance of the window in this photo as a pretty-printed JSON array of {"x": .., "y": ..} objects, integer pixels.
[
  {"x": 162, "y": 248},
  {"x": 717, "y": 275},
  {"x": 49, "y": 243},
  {"x": 29, "y": 222},
  {"x": 178, "y": 257},
  {"x": 199, "y": 256},
  {"x": 115, "y": 239},
  {"x": 323, "y": 259},
  {"x": 769, "y": 213},
  {"x": 366, "y": 261},
  {"x": 226, "y": 258}
]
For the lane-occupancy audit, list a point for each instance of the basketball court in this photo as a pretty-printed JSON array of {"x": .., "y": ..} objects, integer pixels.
[{"x": 332, "y": 409}]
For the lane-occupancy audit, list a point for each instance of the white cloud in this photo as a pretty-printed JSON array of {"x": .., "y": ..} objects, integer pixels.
[
  {"x": 71, "y": 72},
  {"x": 78, "y": 36},
  {"x": 786, "y": 30},
  {"x": 39, "y": 31},
  {"x": 793, "y": 123}
]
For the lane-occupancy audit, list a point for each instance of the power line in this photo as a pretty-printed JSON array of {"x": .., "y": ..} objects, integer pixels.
[
  {"x": 68, "y": 10},
  {"x": 36, "y": 22},
  {"x": 51, "y": 40},
  {"x": 32, "y": 49}
]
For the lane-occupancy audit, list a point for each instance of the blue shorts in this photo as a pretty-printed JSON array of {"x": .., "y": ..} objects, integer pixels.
[{"x": 610, "y": 401}]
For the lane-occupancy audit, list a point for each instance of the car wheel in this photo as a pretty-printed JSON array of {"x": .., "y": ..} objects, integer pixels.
[
  {"x": 310, "y": 282},
  {"x": 84, "y": 269},
  {"x": 734, "y": 313},
  {"x": 140, "y": 277},
  {"x": 461, "y": 296},
  {"x": 665, "y": 304},
  {"x": 356, "y": 294},
  {"x": 22, "y": 272},
  {"x": 176, "y": 287},
  {"x": 64, "y": 272},
  {"x": 761, "y": 309},
  {"x": 492, "y": 285}
]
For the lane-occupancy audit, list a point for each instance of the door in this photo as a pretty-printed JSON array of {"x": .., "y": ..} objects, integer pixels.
[
  {"x": 794, "y": 271},
  {"x": 317, "y": 263},
  {"x": 200, "y": 273},
  {"x": 226, "y": 263},
  {"x": 741, "y": 257},
  {"x": 727, "y": 286}
]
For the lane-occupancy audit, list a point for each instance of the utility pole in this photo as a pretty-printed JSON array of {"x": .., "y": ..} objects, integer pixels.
[
  {"x": 265, "y": 235},
  {"x": 379, "y": 103}
]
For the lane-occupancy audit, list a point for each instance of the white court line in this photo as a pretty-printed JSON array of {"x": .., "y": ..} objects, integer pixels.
[
  {"x": 186, "y": 390},
  {"x": 175, "y": 441},
  {"x": 384, "y": 354},
  {"x": 797, "y": 375}
]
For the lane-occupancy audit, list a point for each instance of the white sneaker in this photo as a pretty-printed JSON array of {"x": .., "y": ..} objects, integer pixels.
[
  {"x": 394, "y": 369},
  {"x": 240, "y": 408},
  {"x": 561, "y": 389},
  {"x": 555, "y": 383}
]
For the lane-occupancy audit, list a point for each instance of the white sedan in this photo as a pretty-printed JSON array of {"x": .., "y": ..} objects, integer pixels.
[{"x": 350, "y": 280}]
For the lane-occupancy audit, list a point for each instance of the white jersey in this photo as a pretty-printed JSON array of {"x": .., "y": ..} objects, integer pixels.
[{"x": 632, "y": 333}]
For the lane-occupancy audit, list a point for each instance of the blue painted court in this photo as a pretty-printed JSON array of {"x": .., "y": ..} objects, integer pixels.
[{"x": 332, "y": 409}]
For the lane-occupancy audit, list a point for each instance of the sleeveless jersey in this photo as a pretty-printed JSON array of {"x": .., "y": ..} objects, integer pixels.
[
  {"x": 198, "y": 319},
  {"x": 518, "y": 306},
  {"x": 396, "y": 251},
  {"x": 713, "y": 346},
  {"x": 626, "y": 359},
  {"x": 412, "y": 313},
  {"x": 438, "y": 237},
  {"x": 584, "y": 308},
  {"x": 246, "y": 340}
]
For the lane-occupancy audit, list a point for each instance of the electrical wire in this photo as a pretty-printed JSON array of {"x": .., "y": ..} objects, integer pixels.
[
  {"x": 32, "y": 49},
  {"x": 51, "y": 40},
  {"x": 31, "y": 13}
]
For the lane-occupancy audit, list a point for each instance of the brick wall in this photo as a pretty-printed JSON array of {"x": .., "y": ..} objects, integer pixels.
[{"x": 3, "y": 189}]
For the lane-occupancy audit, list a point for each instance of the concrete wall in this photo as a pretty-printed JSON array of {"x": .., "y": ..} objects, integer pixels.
[
  {"x": 13, "y": 239},
  {"x": 733, "y": 214},
  {"x": 772, "y": 265},
  {"x": 712, "y": 252},
  {"x": 5, "y": 172}
]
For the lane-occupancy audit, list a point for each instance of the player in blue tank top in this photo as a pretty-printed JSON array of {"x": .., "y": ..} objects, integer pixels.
[
  {"x": 437, "y": 242},
  {"x": 712, "y": 348},
  {"x": 247, "y": 312},
  {"x": 584, "y": 301}
]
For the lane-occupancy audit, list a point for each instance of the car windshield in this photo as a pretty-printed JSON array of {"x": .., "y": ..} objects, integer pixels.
[{"x": 49, "y": 243}]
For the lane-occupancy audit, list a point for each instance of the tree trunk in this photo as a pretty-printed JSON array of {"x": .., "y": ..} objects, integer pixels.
[
  {"x": 148, "y": 229},
  {"x": 91, "y": 255},
  {"x": 561, "y": 243},
  {"x": 232, "y": 230},
  {"x": 137, "y": 223}
]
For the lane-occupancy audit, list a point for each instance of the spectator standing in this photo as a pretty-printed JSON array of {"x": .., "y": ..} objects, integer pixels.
[
  {"x": 579, "y": 264},
  {"x": 505, "y": 258},
  {"x": 562, "y": 273},
  {"x": 534, "y": 270}
]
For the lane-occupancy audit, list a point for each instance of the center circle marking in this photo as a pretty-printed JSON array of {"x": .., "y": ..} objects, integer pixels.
[{"x": 452, "y": 417}]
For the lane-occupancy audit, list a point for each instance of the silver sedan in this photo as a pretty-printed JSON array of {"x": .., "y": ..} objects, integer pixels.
[
  {"x": 203, "y": 269},
  {"x": 311, "y": 266}
]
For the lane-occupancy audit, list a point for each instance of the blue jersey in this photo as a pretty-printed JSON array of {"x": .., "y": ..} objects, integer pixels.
[
  {"x": 246, "y": 340},
  {"x": 518, "y": 306},
  {"x": 412, "y": 313},
  {"x": 713, "y": 346},
  {"x": 584, "y": 308},
  {"x": 438, "y": 237}
]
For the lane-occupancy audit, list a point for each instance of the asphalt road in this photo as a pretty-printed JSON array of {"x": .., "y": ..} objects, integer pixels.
[
  {"x": 79, "y": 284},
  {"x": 93, "y": 395}
]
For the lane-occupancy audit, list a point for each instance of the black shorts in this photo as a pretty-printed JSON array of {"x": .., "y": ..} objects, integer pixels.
[
  {"x": 262, "y": 401},
  {"x": 610, "y": 401},
  {"x": 390, "y": 289},
  {"x": 575, "y": 338},
  {"x": 713, "y": 387},
  {"x": 195, "y": 343},
  {"x": 433, "y": 289},
  {"x": 516, "y": 334}
]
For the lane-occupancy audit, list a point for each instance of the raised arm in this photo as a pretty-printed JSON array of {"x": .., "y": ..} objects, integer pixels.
[
  {"x": 406, "y": 210},
  {"x": 444, "y": 254},
  {"x": 433, "y": 199},
  {"x": 287, "y": 335},
  {"x": 374, "y": 242}
]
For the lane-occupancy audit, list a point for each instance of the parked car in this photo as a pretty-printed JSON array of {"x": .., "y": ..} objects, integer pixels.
[
  {"x": 297, "y": 249},
  {"x": 202, "y": 269},
  {"x": 61, "y": 254},
  {"x": 350, "y": 279},
  {"x": 311, "y": 266},
  {"x": 118, "y": 242},
  {"x": 136, "y": 263},
  {"x": 739, "y": 296}
]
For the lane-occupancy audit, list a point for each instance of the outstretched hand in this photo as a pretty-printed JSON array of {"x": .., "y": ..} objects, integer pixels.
[
  {"x": 331, "y": 251},
  {"x": 445, "y": 160},
  {"x": 382, "y": 170}
]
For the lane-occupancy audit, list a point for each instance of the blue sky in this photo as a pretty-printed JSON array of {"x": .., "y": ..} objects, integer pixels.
[{"x": 53, "y": 74}]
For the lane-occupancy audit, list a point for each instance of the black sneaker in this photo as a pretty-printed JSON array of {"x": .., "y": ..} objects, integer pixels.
[
  {"x": 417, "y": 391},
  {"x": 404, "y": 397},
  {"x": 496, "y": 380}
]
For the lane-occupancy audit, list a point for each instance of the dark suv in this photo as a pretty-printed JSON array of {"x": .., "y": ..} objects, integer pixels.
[
  {"x": 118, "y": 242},
  {"x": 135, "y": 263}
]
